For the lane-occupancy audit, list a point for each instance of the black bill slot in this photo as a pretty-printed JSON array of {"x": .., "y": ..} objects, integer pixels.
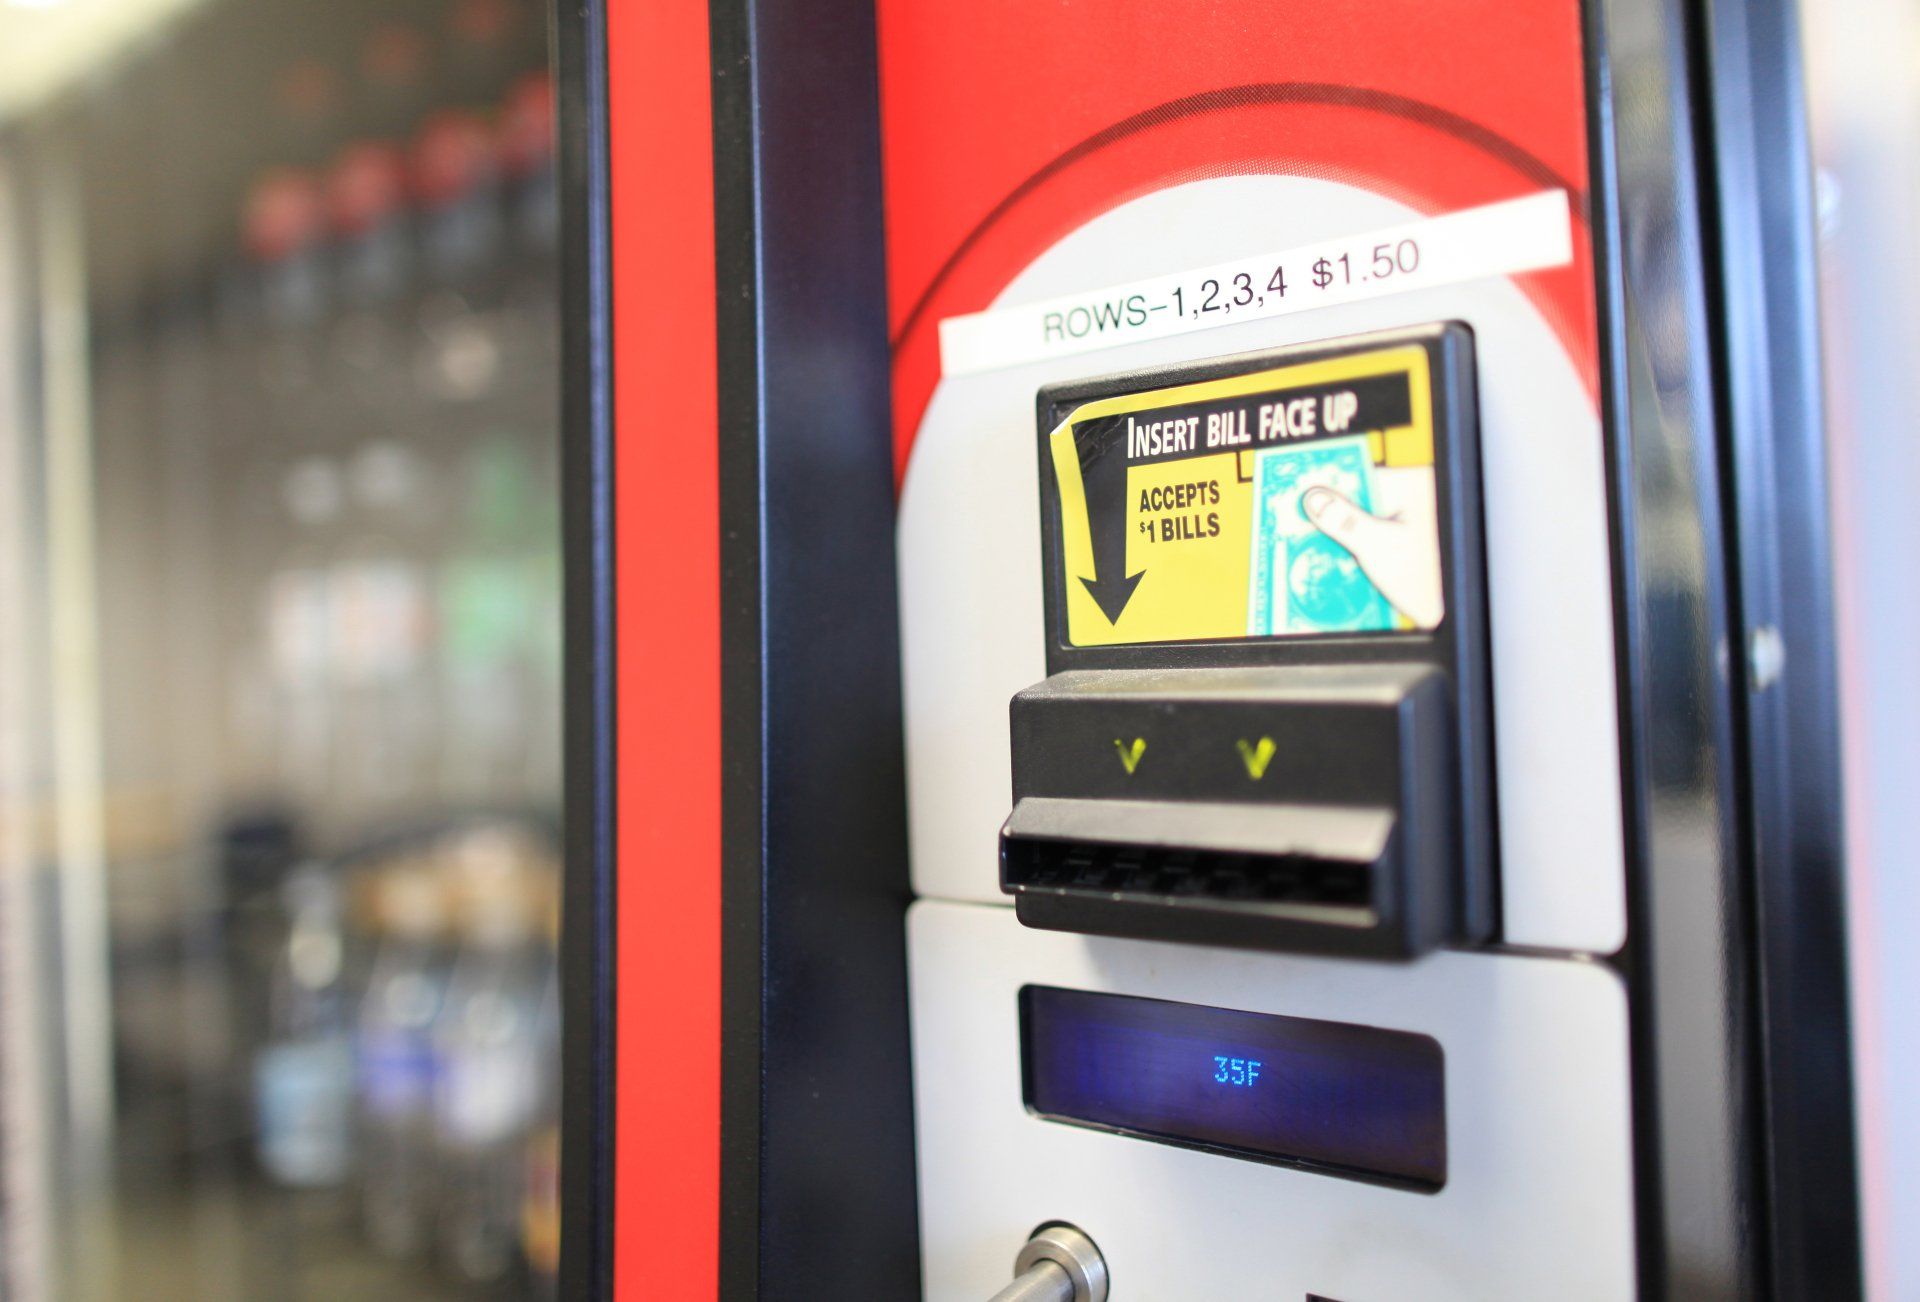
[{"x": 1336, "y": 834}]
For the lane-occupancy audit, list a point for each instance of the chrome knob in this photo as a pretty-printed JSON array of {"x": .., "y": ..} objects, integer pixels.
[{"x": 1058, "y": 1264}]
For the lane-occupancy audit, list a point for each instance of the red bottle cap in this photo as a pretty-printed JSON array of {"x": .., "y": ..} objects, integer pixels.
[
  {"x": 283, "y": 214},
  {"x": 366, "y": 185},
  {"x": 526, "y": 125},
  {"x": 452, "y": 155}
]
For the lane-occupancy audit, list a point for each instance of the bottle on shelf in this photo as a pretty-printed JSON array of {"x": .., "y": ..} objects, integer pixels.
[
  {"x": 299, "y": 488},
  {"x": 525, "y": 128},
  {"x": 487, "y": 1038},
  {"x": 530, "y": 394},
  {"x": 383, "y": 702},
  {"x": 398, "y": 1062},
  {"x": 303, "y": 1074},
  {"x": 540, "y": 1209}
]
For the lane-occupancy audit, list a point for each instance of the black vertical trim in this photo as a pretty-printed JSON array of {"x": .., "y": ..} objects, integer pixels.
[
  {"x": 744, "y": 1071},
  {"x": 817, "y": 1121},
  {"x": 586, "y": 479},
  {"x": 1699, "y": 1201},
  {"x": 1774, "y": 451}
]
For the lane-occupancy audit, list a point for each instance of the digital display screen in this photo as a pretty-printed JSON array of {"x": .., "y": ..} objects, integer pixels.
[
  {"x": 1350, "y": 1100},
  {"x": 1294, "y": 501}
]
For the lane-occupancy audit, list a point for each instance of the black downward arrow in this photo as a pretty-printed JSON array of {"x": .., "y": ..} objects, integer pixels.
[{"x": 1103, "y": 477}]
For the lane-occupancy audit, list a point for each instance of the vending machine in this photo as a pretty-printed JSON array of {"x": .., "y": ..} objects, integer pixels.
[{"x": 1200, "y": 655}]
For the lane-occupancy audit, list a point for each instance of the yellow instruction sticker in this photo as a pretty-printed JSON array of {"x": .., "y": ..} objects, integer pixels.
[{"x": 1288, "y": 502}]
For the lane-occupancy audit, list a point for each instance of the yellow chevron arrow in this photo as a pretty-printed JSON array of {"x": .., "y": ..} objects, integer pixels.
[{"x": 1256, "y": 758}]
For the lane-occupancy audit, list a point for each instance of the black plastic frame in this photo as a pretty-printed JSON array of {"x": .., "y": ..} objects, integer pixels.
[
  {"x": 1381, "y": 748},
  {"x": 818, "y": 1190},
  {"x": 1735, "y": 959},
  {"x": 586, "y": 484},
  {"x": 1686, "y": 958},
  {"x": 1768, "y": 352}
]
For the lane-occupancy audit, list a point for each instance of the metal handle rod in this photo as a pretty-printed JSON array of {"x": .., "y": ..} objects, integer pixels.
[
  {"x": 1057, "y": 1264},
  {"x": 1046, "y": 1282}
]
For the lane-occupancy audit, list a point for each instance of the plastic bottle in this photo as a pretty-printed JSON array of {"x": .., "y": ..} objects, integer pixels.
[
  {"x": 530, "y": 395},
  {"x": 540, "y": 1208},
  {"x": 301, "y": 482},
  {"x": 303, "y": 1076},
  {"x": 487, "y": 1037},
  {"x": 398, "y": 1063}
]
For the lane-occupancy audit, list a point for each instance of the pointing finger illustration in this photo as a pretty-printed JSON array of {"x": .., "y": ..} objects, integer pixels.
[
  {"x": 1396, "y": 557},
  {"x": 1345, "y": 523}
]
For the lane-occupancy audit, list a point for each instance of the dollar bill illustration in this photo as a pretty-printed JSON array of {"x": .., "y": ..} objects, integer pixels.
[{"x": 1300, "y": 580}]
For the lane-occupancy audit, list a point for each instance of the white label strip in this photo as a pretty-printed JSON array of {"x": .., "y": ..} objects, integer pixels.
[{"x": 1500, "y": 239}]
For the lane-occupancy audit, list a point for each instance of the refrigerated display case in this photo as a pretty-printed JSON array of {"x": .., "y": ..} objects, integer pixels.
[{"x": 280, "y": 669}]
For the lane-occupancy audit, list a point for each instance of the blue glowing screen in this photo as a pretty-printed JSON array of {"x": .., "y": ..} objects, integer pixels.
[{"x": 1350, "y": 1100}]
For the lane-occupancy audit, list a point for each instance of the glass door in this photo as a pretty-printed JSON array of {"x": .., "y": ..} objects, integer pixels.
[{"x": 279, "y": 649}]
